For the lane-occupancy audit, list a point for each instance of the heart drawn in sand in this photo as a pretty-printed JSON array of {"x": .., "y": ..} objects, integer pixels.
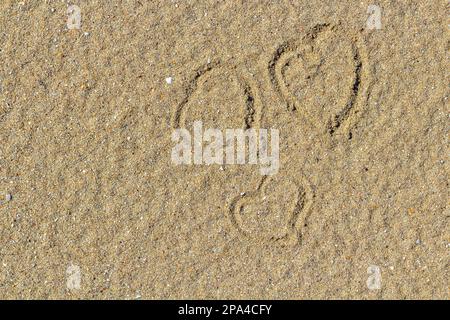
[
  {"x": 319, "y": 76},
  {"x": 273, "y": 211},
  {"x": 220, "y": 96}
]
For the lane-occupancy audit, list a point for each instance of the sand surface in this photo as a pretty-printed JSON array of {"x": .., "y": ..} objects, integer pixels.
[{"x": 92, "y": 206}]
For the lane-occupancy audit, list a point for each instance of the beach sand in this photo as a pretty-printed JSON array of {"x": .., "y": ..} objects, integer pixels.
[{"x": 92, "y": 206}]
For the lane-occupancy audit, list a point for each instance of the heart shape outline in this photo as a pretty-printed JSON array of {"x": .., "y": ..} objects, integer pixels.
[
  {"x": 289, "y": 48},
  {"x": 301, "y": 206}
]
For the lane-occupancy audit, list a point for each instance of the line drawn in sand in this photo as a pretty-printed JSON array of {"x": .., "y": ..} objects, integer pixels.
[
  {"x": 273, "y": 213},
  {"x": 219, "y": 81},
  {"x": 321, "y": 76}
]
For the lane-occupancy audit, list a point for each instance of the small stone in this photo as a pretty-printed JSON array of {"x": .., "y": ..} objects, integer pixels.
[
  {"x": 418, "y": 241},
  {"x": 8, "y": 197},
  {"x": 169, "y": 80}
]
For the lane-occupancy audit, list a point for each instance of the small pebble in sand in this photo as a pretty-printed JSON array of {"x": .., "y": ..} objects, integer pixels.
[
  {"x": 418, "y": 241},
  {"x": 86, "y": 34},
  {"x": 8, "y": 197},
  {"x": 169, "y": 80}
]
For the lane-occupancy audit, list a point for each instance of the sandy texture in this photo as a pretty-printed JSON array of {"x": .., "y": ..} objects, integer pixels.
[{"x": 88, "y": 187}]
